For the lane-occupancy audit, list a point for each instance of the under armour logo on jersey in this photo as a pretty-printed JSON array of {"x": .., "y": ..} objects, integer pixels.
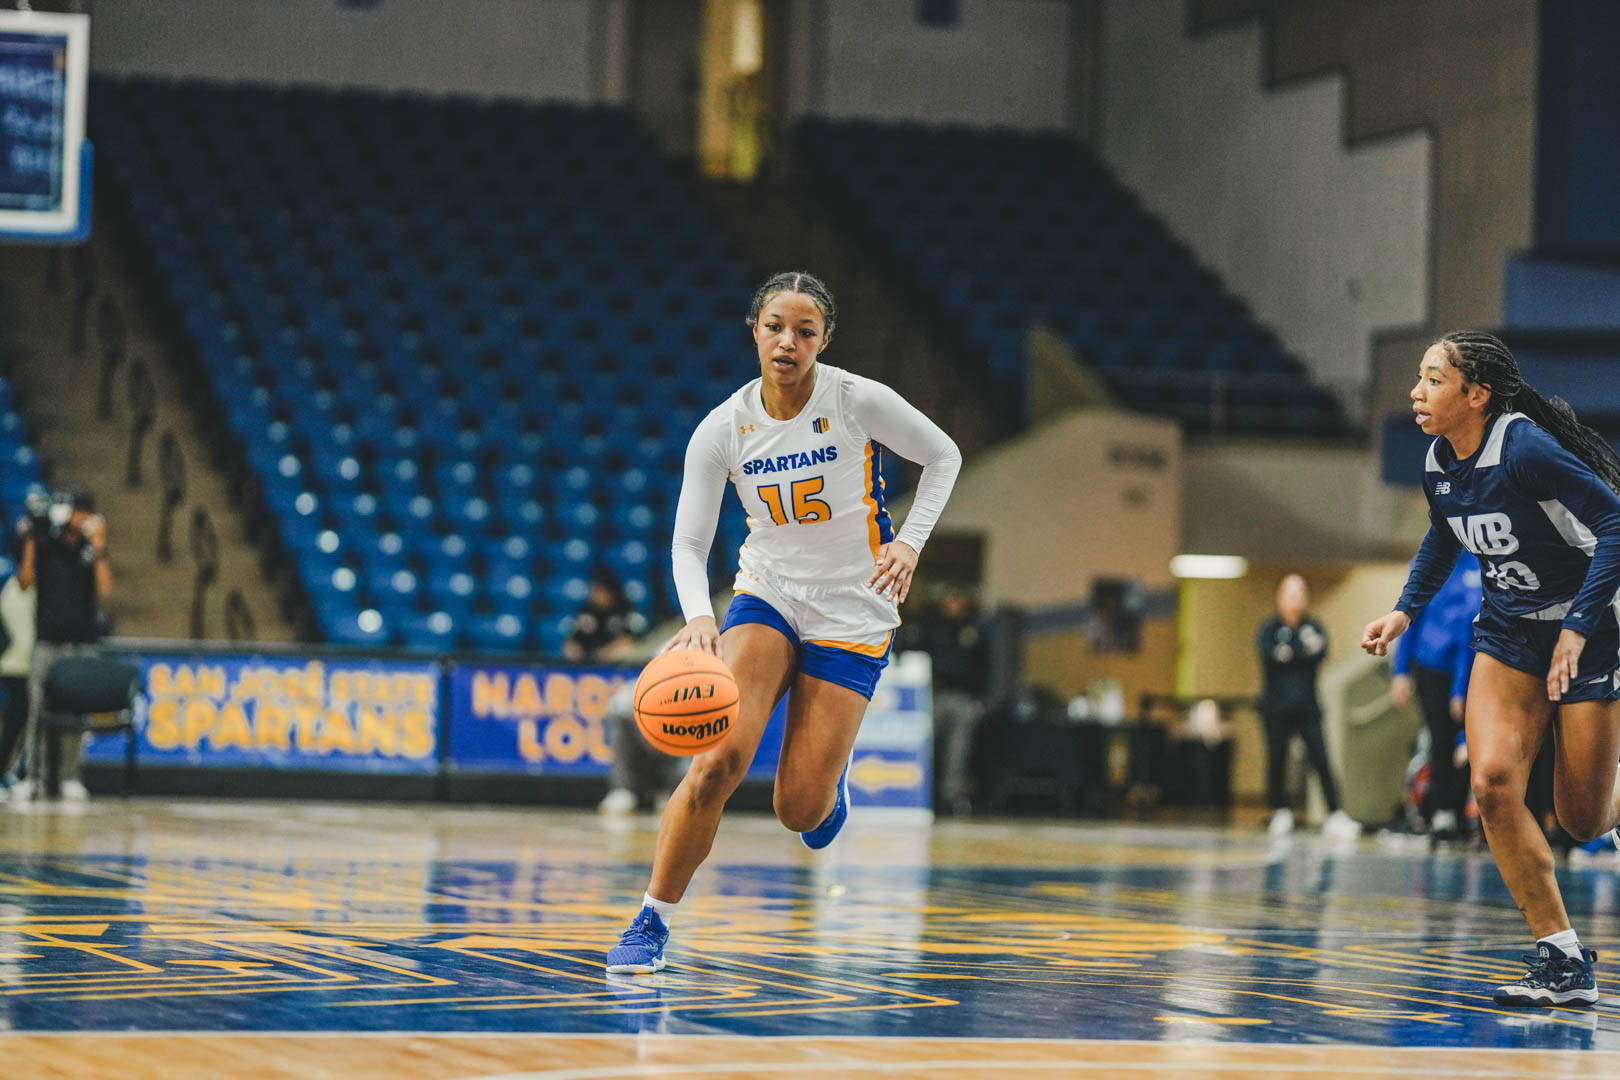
[
  {"x": 820, "y": 425},
  {"x": 1443, "y": 488},
  {"x": 745, "y": 429}
]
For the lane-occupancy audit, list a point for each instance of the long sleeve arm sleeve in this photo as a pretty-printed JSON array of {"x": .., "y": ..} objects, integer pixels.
[
  {"x": 703, "y": 486},
  {"x": 1587, "y": 514},
  {"x": 894, "y": 422},
  {"x": 1435, "y": 558}
]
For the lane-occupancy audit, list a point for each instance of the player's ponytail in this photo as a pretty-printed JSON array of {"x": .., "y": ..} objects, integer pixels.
[{"x": 1482, "y": 358}]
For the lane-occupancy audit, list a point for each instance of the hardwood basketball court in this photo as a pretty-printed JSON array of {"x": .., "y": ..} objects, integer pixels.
[{"x": 246, "y": 939}]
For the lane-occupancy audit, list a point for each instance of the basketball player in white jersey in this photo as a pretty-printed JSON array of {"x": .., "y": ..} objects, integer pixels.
[{"x": 819, "y": 581}]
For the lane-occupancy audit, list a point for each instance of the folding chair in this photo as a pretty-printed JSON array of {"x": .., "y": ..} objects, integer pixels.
[{"x": 94, "y": 695}]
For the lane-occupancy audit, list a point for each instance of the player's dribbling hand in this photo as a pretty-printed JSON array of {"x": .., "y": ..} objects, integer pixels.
[
  {"x": 1380, "y": 632},
  {"x": 1566, "y": 662},
  {"x": 896, "y": 562},
  {"x": 700, "y": 633}
]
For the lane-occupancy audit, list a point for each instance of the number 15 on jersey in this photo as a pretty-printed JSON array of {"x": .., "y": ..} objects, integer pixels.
[{"x": 806, "y": 507}]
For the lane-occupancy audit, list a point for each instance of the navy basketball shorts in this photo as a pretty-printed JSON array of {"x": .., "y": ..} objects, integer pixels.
[{"x": 1527, "y": 645}]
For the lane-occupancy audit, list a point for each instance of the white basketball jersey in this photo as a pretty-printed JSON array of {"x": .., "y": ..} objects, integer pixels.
[{"x": 811, "y": 486}]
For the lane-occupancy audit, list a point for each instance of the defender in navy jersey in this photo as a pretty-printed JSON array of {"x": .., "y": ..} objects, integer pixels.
[
  {"x": 1533, "y": 513},
  {"x": 1515, "y": 479}
]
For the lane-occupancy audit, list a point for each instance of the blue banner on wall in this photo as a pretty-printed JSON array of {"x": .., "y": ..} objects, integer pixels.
[
  {"x": 893, "y": 762},
  {"x": 284, "y": 713},
  {"x": 528, "y": 719},
  {"x": 360, "y": 715}
]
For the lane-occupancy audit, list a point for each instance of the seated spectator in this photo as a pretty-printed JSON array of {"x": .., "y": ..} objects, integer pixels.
[
  {"x": 607, "y": 626},
  {"x": 607, "y": 630},
  {"x": 950, "y": 634}
]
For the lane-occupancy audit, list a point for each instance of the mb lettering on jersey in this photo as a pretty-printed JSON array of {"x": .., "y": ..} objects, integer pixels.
[
  {"x": 1485, "y": 534},
  {"x": 782, "y": 462}
]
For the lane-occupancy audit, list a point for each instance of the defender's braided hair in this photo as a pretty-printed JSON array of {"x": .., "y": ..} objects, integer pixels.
[
  {"x": 1482, "y": 358},
  {"x": 799, "y": 281}
]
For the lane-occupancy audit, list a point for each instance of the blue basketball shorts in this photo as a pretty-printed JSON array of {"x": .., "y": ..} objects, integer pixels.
[
  {"x": 841, "y": 633},
  {"x": 1527, "y": 645}
]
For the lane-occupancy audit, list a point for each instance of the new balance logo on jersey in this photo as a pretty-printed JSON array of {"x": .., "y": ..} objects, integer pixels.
[
  {"x": 1485, "y": 534},
  {"x": 1443, "y": 488}
]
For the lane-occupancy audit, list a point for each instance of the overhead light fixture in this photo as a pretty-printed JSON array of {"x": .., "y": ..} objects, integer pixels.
[{"x": 1209, "y": 566}]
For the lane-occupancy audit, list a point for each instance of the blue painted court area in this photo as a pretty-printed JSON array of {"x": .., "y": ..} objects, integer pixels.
[{"x": 1146, "y": 934}]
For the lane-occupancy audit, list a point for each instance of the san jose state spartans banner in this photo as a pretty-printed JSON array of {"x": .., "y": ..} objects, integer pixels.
[{"x": 284, "y": 712}]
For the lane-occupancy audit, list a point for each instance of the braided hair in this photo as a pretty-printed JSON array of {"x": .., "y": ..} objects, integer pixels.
[
  {"x": 799, "y": 281},
  {"x": 1482, "y": 358}
]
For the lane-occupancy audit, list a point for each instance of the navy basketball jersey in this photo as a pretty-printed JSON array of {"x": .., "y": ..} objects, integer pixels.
[{"x": 1545, "y": 528}]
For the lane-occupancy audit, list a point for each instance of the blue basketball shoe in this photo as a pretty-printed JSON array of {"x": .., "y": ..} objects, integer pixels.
[
  {"x": 640, "y": 950},
  {"x": 1553, "y": 979},
  {"x": 822, "y": 835}
]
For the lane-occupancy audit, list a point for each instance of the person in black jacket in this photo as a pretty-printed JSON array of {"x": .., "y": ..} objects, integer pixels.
[
  {"x": 64, "y": 559},
  {"x": 606, "y": 630},
  {"x": 1292, "y": 646},
  {"x": 951, "y": 635}
]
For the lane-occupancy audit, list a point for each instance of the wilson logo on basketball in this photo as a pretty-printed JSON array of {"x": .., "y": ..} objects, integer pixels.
[
  {"x": 703, "y": 732},
  {"x": 684, "y": 701}
]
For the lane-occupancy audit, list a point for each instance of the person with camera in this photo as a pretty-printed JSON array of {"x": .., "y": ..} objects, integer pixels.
[
  {"x": 64, "y": 559},
  {"x": 17, "y": 632}
]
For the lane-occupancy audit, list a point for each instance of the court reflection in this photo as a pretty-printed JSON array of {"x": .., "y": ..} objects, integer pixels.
[{"x": 205, "y": 917}]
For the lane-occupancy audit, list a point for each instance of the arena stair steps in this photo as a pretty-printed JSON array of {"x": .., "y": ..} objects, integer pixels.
[{"x": 59, "y": 387}]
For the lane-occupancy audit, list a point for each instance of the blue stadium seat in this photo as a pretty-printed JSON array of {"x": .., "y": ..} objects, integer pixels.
[
  {"x": 412, "y": 350},
  {"x": 1010, "y": 230}
]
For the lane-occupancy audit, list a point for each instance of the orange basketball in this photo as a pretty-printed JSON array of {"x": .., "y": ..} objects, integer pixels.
[{"x": 685, "y": 701}]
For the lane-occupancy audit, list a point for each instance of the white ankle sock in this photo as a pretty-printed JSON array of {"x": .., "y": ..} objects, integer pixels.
[
  {"x": 666, "y": 911},
  {"x": 1567, "y": 941}
]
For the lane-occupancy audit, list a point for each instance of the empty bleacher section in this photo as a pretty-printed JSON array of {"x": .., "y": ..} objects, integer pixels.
[
  {"x": 1561, "y": 301},
  {"x": 1013, "y": 230},
  {"x": 888, "y": 327},
  {"x": 1562, "y": 317},
  {"x": 460, "y": 346}
]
